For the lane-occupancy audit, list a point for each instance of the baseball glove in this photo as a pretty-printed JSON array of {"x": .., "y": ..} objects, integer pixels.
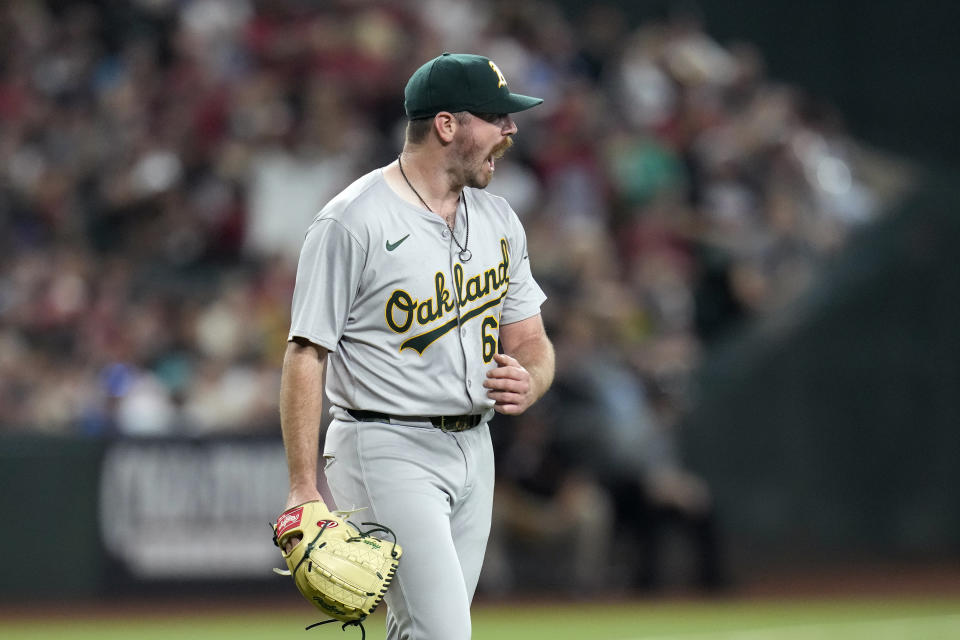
[{"x": 342, "y": 570}]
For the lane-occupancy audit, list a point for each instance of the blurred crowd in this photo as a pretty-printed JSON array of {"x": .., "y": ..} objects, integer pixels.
[{"x": 161, "y": 159}]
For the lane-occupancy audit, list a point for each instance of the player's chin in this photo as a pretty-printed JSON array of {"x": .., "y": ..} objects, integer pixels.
[{"x": 482, "y": 177}]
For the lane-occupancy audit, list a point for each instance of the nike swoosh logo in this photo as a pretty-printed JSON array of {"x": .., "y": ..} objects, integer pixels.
[{"x": 393, "y": 245}]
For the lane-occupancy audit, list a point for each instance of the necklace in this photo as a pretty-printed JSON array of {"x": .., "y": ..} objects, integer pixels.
[{"x": 465, "y": 254}]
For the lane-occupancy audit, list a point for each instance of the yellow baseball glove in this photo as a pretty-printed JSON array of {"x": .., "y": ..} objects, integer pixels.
[{"x": 343, "y": 571}]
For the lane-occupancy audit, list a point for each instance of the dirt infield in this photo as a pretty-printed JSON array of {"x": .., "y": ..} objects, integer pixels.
[{"x": 888, "y": 581}]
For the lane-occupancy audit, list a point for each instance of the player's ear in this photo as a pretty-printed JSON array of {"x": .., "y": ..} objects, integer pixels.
[{"x": 445, "y": 124}]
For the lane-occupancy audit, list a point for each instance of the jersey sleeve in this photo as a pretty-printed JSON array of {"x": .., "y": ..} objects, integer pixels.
[
  {"x": 328, "y": 278},
  {"x": 524, "y": 295}
]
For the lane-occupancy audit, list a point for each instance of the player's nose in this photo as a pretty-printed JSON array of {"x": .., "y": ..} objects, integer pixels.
[{"x": 509, "y": 126}]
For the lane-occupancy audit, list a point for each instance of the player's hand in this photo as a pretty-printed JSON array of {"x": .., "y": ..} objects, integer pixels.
[
  {"x": 510, "y": 386},
  {"x": 294, "y": 498}
]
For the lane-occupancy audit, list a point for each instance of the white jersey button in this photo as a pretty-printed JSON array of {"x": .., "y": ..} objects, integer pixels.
[{"x": 445, "y": 233}]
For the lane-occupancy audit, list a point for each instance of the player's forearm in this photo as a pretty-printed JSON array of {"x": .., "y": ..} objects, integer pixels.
[
  {"x": 301, "y": 410},
  {"x": 536, "y": 356}
]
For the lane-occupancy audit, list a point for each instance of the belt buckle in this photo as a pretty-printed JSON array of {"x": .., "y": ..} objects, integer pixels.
[{"x": 459, "y": 424}]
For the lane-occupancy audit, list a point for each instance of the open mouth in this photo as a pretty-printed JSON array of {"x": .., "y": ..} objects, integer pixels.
[{"x": 498, "y": 152}]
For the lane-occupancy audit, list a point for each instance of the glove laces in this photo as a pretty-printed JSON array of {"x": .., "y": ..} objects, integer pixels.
[
  {"x": 353, "y": 623},
  {"x": 376, "y": 527}
]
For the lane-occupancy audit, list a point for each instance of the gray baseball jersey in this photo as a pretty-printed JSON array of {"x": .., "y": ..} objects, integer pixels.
[{"x": 410, "y": 329}]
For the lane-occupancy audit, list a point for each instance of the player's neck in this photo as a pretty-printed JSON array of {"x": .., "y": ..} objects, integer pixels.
[{"x": 429, "y": 181}]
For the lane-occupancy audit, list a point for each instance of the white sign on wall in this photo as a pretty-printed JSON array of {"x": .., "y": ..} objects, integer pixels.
[{"x": 193, "y": 509}]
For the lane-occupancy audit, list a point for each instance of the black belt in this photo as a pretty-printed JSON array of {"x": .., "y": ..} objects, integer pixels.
[{"x": 444, "y": 423}]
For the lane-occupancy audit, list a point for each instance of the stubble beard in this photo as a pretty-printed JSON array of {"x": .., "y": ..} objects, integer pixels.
[{"x": 471, "y": 168}]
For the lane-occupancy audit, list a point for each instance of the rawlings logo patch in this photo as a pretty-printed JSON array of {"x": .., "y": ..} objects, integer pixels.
[
  {"x": 330, "y": 523},
  {"x": 288, "y": 520}
]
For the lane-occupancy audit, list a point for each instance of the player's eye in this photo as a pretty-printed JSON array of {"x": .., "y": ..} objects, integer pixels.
[{"x": 492, "y": 118}]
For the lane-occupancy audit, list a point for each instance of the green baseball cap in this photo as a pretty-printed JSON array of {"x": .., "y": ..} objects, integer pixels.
[{"x": 461, "y": 82}]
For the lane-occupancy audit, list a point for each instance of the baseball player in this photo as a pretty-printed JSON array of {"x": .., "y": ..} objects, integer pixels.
[{"x": 414, "y": 292}]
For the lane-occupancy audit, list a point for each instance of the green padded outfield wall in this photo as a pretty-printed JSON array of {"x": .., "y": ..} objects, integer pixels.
[
  {"x": 834, "y": 427},
  {"x": 48, "y": 495}
]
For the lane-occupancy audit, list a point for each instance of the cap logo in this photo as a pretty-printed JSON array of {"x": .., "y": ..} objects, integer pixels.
[{"x": 502, "y": 81}]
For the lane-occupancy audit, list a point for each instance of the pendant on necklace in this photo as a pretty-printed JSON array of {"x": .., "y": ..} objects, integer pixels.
[{"x": 465, "y": 255}]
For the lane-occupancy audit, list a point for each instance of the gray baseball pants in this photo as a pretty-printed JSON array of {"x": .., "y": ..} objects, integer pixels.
[{"x": 435, "y": 491}]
